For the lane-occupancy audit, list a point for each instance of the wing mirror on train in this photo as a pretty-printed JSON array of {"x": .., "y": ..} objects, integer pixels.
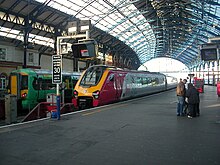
[{"x": 84, "y": 49}]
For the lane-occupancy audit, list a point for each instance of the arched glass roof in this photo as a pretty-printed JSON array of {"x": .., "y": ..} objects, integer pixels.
[
  {"x": 119, "y": 18},
  {"x": 151, "y": 28}
]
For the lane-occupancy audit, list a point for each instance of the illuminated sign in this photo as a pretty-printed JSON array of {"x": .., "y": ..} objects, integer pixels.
[{"x": 86, "y": 49}]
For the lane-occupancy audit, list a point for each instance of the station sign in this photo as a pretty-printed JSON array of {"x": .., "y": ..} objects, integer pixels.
[
  {"x": 85, "y": 49},
  {"x": 57, "y": 69}
]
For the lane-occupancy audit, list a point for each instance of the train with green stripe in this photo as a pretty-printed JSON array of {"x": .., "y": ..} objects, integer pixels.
[{"x": 31, "y": 86}]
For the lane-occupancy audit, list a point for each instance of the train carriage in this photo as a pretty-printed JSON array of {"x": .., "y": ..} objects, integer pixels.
[
  {"x": 31, "y": 86},
  {"x": 100, "y": 85}
]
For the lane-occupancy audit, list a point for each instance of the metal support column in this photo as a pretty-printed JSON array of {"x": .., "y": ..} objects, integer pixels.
[{"x": 27, "y": 28}]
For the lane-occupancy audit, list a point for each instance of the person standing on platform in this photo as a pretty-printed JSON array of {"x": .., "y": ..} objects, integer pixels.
[
  {"x": 185, "y": 111},
  {"x": 192, "y": 96},
  {"x": 180, "y": 92}
]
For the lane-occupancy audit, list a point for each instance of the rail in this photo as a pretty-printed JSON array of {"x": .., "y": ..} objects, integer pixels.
[{"x": 44, "y": 109}]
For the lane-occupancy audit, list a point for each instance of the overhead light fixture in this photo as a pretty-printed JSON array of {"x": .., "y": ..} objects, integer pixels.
[
  {"x": 72, "y": 27},
  {"x": 84, "y": 25}
]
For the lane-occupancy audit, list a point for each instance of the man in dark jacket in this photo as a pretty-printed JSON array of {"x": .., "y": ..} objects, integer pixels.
[{"x": 193, "y": 100}]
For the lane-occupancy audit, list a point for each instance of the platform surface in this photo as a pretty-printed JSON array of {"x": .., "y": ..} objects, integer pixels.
[{"x": 145, "y": 131}]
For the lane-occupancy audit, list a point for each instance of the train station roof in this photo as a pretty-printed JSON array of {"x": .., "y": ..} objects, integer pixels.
[{"x": 140, "y": 29}]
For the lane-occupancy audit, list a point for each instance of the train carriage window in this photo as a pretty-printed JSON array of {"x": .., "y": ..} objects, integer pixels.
[
  {"x": 24, "y": 82},
  {"x": 73, "y": 80},
  {"x": 43, "y": 84},
  {"x": 145, "y": 81},
  {"x": 35, "y": 84},
  {"x": 47, "y": 84},
  {"x": 50, "y": 85},
  {"x": 149, "y": 81},
  {"x": 156, "y": 81}
]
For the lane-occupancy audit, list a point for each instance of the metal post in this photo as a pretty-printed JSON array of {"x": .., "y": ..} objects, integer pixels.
[
  {"x": 58, "y": 103},
  {"x": 218, "y": 69},
  {"x": 58, "y": 53},
  {"x": 87, "y": 34},
  {"x": 58, "y": 94},
  {"x": 38, "y": 112}
]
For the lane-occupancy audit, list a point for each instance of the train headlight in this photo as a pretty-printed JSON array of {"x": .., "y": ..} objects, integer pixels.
[
  {"x": 23, "y": 95},
  {"x": 75, "y": 93},
  {"x": 96, "y": 94}
]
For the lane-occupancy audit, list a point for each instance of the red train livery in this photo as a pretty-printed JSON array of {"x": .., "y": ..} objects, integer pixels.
[{"x": 101, "y": 84}]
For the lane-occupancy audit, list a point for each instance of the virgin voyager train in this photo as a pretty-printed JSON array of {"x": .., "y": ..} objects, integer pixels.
[{"x": 101, "y": 84}]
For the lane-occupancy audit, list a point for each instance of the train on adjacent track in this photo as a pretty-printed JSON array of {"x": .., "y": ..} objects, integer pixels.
[
  {"x": 101, "y": 85},
  {"x": 31, "y": 86}
]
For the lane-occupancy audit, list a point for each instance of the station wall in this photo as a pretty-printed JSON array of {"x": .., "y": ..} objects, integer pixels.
[{"x": 11, "y": 58}]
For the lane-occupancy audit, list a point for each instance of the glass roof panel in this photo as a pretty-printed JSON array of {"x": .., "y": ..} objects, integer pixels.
[
  {"x": 119, "y": 18},
  {"x": 7, "y": 32}
]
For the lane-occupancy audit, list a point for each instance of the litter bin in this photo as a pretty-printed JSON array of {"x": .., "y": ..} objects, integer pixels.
[
  {"x": 51, "y": 98},
  {"x": 10, "y": 109}
]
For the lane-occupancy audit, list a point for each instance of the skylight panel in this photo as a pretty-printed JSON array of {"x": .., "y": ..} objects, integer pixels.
[
  {"x": 119, "y": 18},
  {"x": 86, "y": 13},
  {"x": 114, "y": 17},
  {"x": 118, "y": 15},
  {"x": 121, "y": 38},
  {"x": 120, "y": 28},
  {"x": 11, "y": 33},
  {"x": 135, "y": 19},
  {"x": 98, "y": 9},
  {"x": 124, "y": 35},
  {"x": 114, "y": 2},
  {"x": 94, "y": 11}
]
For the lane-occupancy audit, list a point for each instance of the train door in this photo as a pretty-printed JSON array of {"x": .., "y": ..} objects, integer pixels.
[
  {"x": 118, "y": 85},
  {"x": 108, "y": 93},
  {"x": 13, "y": 85},
  {"x": 41, "y": 88},
  {"x": 15, "y": 88}
]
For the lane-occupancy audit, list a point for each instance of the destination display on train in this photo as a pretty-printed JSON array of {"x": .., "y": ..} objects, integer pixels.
[{"x": 57, "y": 69}]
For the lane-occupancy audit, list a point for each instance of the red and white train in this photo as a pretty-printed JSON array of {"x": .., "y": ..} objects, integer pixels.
[{"x": 101, "y": 84}]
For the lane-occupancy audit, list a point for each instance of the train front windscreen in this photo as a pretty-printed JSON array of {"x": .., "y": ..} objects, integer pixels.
[{"x": 92, "y": 76}]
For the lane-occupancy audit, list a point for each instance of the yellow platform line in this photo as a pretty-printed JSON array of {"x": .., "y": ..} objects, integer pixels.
[{"x": 105, "y": 108}]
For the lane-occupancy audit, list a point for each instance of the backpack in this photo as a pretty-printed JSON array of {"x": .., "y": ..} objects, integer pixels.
[{"x": 180, "y": 89}]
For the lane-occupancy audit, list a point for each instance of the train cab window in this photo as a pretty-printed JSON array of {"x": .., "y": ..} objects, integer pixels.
[
  {"x": 111, "y": 77},
  {"x": 92, "y": 76},
  {"x": 24, "y": 82}
]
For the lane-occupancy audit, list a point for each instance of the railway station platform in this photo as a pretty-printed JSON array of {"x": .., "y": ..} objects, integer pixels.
[{"x": 143, "y": 131}]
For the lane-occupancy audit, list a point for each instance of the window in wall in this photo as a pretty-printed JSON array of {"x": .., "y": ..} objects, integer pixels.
[
  {"x": 2, "y": 53},
  {"x": 31, "y": 57},
  {"x": 2, "y": 82}
]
